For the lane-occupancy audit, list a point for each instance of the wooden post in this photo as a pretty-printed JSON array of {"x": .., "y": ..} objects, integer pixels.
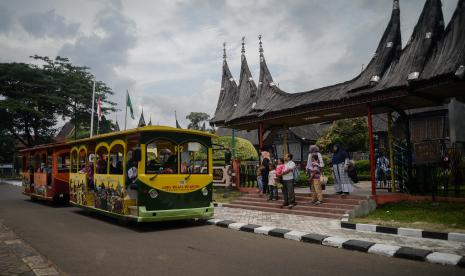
[
  {"x": 285, "y": 151},
  {"x": 391, "y": 152},
  {"x": 372, "y": 151},
  {"x": 260, "y": 136}
]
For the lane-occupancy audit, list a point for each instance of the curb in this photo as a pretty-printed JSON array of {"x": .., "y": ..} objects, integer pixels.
[
  {"x": 408, "y": 232},
  {"x": 409, "y": 253}
]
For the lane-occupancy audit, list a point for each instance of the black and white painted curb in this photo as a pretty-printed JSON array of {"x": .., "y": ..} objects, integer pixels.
[
  {"x": 407, "y": 232},
  {"x": 349, "y": 244}
]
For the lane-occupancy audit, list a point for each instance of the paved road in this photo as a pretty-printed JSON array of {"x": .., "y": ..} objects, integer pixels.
[{"x": 82, "y": 244}]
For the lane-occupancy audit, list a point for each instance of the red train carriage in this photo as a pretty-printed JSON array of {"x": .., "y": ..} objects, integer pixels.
[{"x": 46, "y": 172}]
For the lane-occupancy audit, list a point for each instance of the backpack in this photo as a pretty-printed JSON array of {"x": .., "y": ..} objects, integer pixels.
[
  {"x": 296, "y": 174},
  {"x": 352, "y": 171}
]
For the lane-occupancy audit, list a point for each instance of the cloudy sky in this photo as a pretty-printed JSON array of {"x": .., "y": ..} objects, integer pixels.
[{"x": 169, "y": 53}]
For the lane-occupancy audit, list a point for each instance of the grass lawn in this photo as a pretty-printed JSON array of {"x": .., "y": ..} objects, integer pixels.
[
  {"x": 218, "y": 195},
  {"x": 435, "y": 216}
]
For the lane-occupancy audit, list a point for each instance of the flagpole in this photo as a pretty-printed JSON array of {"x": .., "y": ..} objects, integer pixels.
[
  {"x": 99, "y": 115},
  {"x": 93, "y": 107},
  {"x": 126, "y": 114}
]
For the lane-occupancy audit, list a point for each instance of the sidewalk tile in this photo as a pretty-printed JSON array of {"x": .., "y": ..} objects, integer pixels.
[
  {"x": 384, "y": 249},
  {"x": 365, "y": 227},
  {"x": 236, "y": 225},
  {"x": 434, "y": 235},
  {"x": 224, "y": 223},
  {"x": 334, "y": 241},
  {"x": 249, "y": 227},
  {"x": 294, "y": 235},
  {"x": 278, "y": 232},
  {"x": 460, "y": 237},
  {"x": 443, "y": 258},
  {"x": 412, "y": 253},
  {"x": 409, "y": 232},
  {"x": 263, "y": 230},
  {"x": 314, "y": 238},
  {"x": 357, "y": 245}
]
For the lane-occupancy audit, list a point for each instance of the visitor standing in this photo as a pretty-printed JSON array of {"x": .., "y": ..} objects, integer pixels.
[
  {"x": 272, "y": 183},
  {"x": 313, "y": 149},
  {"x": 265, "y": 170},
  {"x": 259, "y": 179},
  {"x": 340, "y": 162},
  {"x": 288, "y": 182},
  {"x": 315, "y": 185}
]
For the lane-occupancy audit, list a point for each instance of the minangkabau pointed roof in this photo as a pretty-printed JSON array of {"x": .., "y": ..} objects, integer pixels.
[
  {"x": 268, "y": 91},
  {"x": 389, "y": 49},
  {"x": 247, "y": 93},
  {"x": 227, "y": 101},
  {"x": 427, "y": 32},
  {"x": 449, "y": 55},
  {"x": 141, "y": 119}
]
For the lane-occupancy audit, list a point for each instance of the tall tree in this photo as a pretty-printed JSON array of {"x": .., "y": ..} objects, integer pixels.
[
  {"x": 33, "y": 97},
  {"x": 196, "y": 119},
  {"x": 351, "y": 134}
]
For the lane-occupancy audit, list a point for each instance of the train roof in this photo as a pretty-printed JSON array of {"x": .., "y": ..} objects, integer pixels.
[{"x": 144, "y": 129}]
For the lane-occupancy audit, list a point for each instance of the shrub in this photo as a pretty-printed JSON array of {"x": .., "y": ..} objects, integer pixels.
[{"x": 244, "y": 149}]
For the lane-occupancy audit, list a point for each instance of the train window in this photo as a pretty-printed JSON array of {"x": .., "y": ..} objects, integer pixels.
[
  {"x": 161, "y": 158},
  {"x": 82, "y": 160},
  {"x": 37, "y": 162},
  {"x": 116, "y": 159},
  {"x": 194, "y": 158},
  {"x": 74, "y": 161},
  {"x": 63, "y": 163},
  {"x": 102, "y": 160}
]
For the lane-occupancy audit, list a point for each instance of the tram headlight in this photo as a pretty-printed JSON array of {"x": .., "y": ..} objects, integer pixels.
[
  {"x": 205, "y": 191},
  {"x": 153, "y": 193}
]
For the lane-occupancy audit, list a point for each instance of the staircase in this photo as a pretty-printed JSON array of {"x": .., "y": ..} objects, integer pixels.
[{"x": 333, "y": 206}]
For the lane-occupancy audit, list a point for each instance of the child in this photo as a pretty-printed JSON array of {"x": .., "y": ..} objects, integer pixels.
[
  {"x": 259, "y": 179},
  {"x": 315, "y": 185},
  {"x": 272, "y": 183},
  {"x": 279, "y": 173}
]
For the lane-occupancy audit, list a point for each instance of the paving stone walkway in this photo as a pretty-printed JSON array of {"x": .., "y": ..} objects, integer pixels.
[
  {"x": 18, "y": 258},
  {"x": 331, "y": 227}
]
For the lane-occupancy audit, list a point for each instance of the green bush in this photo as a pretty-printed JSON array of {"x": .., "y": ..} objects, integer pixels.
[
  {"x": 363, "y": 167},
  {"x": 244, "y": 149}
]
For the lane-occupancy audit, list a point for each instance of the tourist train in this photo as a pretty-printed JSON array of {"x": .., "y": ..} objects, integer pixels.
[{"x": 151, "y": 173}]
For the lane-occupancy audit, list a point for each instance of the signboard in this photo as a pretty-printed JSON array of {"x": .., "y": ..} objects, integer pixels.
[
  {"x": 222, "y": 176},
  {"x": 427, "y": 152}
]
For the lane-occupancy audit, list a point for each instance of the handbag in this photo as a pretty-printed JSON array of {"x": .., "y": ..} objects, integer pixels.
[{"x": 323, "y": 181}]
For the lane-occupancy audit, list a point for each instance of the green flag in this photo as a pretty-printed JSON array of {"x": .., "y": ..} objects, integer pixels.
[{"x": 129, "y": 104}]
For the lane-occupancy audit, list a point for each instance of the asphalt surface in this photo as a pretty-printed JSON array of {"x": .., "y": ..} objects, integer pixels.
[{"x": 88, "y": 244}]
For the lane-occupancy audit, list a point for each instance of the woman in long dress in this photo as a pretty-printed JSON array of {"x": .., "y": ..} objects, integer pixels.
[{"x": 340, "y": 162}]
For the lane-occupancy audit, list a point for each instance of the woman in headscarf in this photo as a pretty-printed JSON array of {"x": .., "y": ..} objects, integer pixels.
[{"x": 340, "y": 162}]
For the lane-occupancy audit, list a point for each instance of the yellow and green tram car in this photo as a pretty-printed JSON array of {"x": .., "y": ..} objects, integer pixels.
[{"x": 152, "y": 173}]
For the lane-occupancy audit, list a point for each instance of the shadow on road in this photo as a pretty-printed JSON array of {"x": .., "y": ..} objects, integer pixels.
[
  {"x": 47, "y": 203},
  {"x": 141, "y": 227}
]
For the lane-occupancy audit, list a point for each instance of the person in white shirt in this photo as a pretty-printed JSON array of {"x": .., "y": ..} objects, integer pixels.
[{"x": 288, "y": 182}]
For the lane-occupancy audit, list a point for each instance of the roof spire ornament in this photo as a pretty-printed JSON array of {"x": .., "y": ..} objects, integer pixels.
[
  {"x": 243, "y": 45},
  {"x": 224, "y": 51},
  {"x": 260, "y": 48},
  {"x": 395, "y": 5}
]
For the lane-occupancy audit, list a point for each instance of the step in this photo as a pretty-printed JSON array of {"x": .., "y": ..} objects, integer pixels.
[
  {"x": 353, "y": 202},
  {"x": 284, "y": 211},
  {"x": 313, "y": 208},
  {"x": 325, "y": 203},
  {"x": 307, "y": 195}
]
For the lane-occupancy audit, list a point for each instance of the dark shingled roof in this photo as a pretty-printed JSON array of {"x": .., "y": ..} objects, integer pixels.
[
  {"x": 228, "y": 96},
  {"x": 247, "y": 91},
  {"x": 449, "y": 55},
  {"x": 430, "y": 53}
]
